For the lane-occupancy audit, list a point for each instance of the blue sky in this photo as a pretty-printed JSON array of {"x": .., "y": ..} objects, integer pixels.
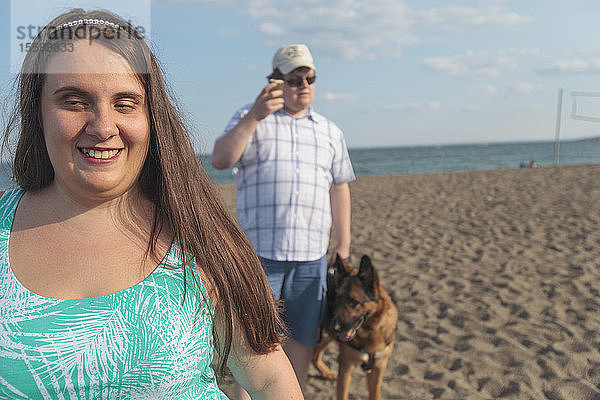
[{"x": 390, "y": 72}]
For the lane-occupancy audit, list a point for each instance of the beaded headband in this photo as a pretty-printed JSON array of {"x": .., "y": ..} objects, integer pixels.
[
  {"x": 109, "y": 30},
  {"x": 87, "y": 21}
]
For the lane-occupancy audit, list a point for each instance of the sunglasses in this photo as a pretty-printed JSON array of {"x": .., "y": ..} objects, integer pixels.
[{"x": 298, "y": 81}]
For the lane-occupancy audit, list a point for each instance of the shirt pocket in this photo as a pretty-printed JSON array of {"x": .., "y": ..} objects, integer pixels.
[{"x": 324, "y": 153}]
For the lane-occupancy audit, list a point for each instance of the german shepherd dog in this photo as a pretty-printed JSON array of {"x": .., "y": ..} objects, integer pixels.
[{"x": 362, "y": 318}]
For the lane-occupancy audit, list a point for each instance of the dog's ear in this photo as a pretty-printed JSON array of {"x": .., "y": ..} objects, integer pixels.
[
  {"x": 368, "y": 277},
  {"x": 339, "y": 269}
]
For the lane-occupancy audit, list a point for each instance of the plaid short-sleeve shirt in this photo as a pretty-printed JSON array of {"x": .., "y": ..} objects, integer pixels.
[{"x": 283, "y": 180}]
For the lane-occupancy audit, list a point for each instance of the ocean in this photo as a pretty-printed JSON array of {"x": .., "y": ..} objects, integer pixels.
[
  {"x": 428, "y": 159},
  {"x": 464, "y": 157}
]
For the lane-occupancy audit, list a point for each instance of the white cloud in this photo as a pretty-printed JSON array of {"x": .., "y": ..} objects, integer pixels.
[
  {"x": 454, "y": 18},
  {"x": 366, "y": 29},
  {"x": 432, "y": 105},
  {"x": 490, "y": 90},
  {"x": 472, "y": 64},
  {"x": 404, "y": 107},
  {"x": 332, "y": 97},
  {"x": 526, "y": 88},
  {"x": 271, "y": 29},
  {"x": 522, "y": 51},
  {"x": 573, "y": 66}
]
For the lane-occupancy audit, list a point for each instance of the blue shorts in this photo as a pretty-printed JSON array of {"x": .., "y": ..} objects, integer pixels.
[{"x": 302, "y": 286}]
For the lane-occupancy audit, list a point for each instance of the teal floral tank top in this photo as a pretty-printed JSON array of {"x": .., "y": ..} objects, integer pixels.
[{"x": 144, "y": 342}]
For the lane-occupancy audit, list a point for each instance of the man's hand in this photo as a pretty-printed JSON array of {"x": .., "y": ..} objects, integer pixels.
[
  {"x": 268, "y": 101},
  {"x": 344, "y": 255},
  {"x": 229, "y": 147}
]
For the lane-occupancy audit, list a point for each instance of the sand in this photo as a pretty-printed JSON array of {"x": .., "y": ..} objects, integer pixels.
[{"x": 496, "y": 275}]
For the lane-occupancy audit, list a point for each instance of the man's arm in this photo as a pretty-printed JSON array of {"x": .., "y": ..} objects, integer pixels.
[
  {"x": 229, "y": 148},
  {"x": 339, "y": 196}
]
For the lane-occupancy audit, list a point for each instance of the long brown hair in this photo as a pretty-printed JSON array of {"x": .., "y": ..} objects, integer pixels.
[{"x": 185, "y": 198}]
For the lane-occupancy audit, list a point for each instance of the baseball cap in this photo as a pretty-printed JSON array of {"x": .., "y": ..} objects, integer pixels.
[{"x": 293, "y": 56}]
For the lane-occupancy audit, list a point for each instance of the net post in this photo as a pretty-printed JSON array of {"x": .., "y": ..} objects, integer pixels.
[{"x": 557, "y": 133}]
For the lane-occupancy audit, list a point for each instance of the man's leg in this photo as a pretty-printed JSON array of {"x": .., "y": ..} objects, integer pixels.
[{"x": 304, "y": 308}]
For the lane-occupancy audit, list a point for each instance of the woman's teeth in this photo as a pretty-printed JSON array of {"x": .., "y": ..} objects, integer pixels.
[{"x": 101, "y": 154}]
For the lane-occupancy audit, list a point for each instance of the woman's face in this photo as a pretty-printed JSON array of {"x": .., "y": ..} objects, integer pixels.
[{"x": 95, "y": 121}]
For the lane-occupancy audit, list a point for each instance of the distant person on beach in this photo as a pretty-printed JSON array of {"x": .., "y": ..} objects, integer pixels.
[
  {"x": 121, "y": 270},
  {"x": 292, "y": 173},
  {"x": 531, "y": 164}
]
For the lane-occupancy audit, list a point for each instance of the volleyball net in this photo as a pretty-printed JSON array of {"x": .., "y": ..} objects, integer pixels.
[{"x": 584, "y": 108}]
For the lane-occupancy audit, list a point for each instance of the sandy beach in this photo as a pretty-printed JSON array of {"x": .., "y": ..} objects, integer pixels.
[{"x": 496, "y": 275}]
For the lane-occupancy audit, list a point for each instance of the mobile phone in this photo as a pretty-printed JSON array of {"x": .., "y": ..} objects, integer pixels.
[{"x": 279, "y": 83}]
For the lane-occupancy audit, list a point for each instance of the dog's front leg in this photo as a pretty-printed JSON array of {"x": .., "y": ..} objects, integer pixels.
[
  {"x": 375, "y": 376},
  {"x": 374, "y": 379},
  {"x": 317, "y": 358},
  {"x": 346, "y": 366}
]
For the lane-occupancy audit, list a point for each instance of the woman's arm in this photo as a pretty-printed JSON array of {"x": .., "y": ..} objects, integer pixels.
[{"x": 264, "y": 376}]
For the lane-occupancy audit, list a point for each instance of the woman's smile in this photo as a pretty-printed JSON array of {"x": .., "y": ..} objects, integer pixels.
[{"x": 99, "y": 154}]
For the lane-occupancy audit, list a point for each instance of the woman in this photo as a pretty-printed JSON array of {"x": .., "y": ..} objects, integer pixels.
[{"x": 125, "y": 269}]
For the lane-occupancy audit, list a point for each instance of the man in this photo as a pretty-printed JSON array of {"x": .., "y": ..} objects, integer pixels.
[{"x": 292, "y": 173}]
